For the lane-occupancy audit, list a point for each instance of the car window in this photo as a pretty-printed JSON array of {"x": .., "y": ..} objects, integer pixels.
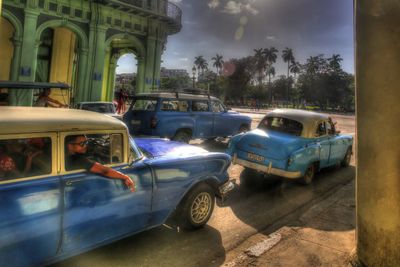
[
  {"x": 174, "y": 105},
  {"x": 216, "y": 106},
  {"x": 25, "y": 157},
  {"x": 101, "y": 148},
  {"x": 144, "y": 104},
  {"x": 281, "y": 125},
  {"x": 321, "y": 129},
  {"x": 199, "y": 105},
  {"x": 99, "y": 107}
]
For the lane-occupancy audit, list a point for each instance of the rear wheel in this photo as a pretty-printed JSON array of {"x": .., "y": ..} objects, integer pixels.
[
  {"x": 249, "y": 178},
  {"x": 347, "y": 158},
  {"x": 182, "y": 136},
  {"x": 197, "y": 207},
  {"x": 308, "y": 175}
]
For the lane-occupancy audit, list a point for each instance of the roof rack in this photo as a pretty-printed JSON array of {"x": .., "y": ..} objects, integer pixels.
[
  {"x": 193, "y": 91},
  {"x": 33, "y": 85}
]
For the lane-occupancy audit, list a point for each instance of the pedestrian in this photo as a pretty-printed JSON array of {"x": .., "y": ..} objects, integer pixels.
[{"x": 76, "y": 148}]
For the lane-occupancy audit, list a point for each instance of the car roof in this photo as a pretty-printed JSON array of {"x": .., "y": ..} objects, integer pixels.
[
  {"x": 15, "y": 120},
  {"x": 308, "y": 119},
  {"x": 175, "y": 95}
]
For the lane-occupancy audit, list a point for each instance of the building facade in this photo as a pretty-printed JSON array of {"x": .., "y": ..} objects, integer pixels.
[
  {"x": 79, "y": 42},
  {"x": 170, "y": 73}
]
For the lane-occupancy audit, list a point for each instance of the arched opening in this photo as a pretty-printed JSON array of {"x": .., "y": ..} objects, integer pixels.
[
  {"x": 7, "y": 31},
  {"x": 57, "y": 60},
  {"x": 125, "y": 74},
  {"x": 122, "y": 68}
]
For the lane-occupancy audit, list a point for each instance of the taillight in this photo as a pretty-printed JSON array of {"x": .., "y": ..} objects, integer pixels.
[{"x": 153, "y": 122}]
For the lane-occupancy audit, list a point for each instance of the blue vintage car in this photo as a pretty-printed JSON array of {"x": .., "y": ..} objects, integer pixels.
[
  {"x": 50, "y": 210},
  {"x": 183, "y": 116},
  {"x": 291, "y": 143}
]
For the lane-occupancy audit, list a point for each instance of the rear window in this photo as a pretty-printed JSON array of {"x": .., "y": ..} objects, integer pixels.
[
  {"x": 174, "y": 105},
  {"x": 144, "y": 104},
  {"x": 283, "y": 125},
  {"x": 99, "y": 107}
]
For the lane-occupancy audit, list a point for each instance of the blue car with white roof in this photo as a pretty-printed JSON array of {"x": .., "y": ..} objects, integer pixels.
[{"x": 290, "y": 143}]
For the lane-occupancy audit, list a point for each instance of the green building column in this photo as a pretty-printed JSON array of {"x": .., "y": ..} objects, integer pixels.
[
  {"x": 378, "y": 138},
  {"x": 157, "y": 64},
  {"x": 15, "y": 64},
  {"x": 82, "y": 82},
  {"x": 150, "y": 63},
  {"x": 97, "y": 53},
  {"x": 27, "y": 69},
  {"x": 111, "y": 78},
  {"x": 141, "y": 65}
]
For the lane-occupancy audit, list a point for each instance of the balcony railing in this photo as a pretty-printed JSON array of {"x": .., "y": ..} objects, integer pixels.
[{"x": 163, "y": 8}]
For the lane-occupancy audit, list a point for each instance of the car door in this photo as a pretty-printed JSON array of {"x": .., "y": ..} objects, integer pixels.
[
  {"x": 203, "y": 118},
  {"x": 99, "y": 209},
  {"x": 31, "y": 202},
  {"x": 338, "y": 148},
  {"x": 222, "y": 125},
  {"x": 325, "y": 144}
]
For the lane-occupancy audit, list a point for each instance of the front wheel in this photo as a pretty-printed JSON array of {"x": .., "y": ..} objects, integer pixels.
[
  {"x": 308, "y": 175},
  {"x": 197, "y": 207}
]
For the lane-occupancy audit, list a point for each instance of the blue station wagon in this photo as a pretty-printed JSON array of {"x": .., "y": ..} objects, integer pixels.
[
  {"x": 182, "y": 116},
  {"x": 291, "y": 143},
  {"x": 49, "y": 211}
]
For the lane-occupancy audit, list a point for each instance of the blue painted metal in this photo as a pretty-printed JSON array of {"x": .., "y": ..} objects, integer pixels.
[
  {"x": 279, "y": 148},
  {"x": 200, "y": 124},
  {"x": 48, "y": 219}
]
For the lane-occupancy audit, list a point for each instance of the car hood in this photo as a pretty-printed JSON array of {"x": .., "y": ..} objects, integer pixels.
[
  {"x": 270, "y": 144},
  {"x": 114, "y": 115},
  {"x": 158, "y": 147}
]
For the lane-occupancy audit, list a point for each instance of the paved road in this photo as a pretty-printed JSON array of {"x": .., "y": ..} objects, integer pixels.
[{"x": 244, "y": 214}]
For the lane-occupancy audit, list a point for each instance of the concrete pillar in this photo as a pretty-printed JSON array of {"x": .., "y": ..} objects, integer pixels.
[
  {"x": 16, "y": 59},
  {"x": 378, "y": 143},
  {"x": 27, "y": 68},
  {"x": 96, "y": 66},
  {"x": 150, "y": 63},
  {"x": 157, "y": 64},
  {"x": 140, "y": 77},
  {"x": 82, "y": 83}
]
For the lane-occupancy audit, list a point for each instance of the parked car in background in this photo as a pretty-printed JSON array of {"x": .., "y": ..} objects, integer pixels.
[
  {"x": 107, "y": 108},
  {"x": 51, "y": 211},
  {"x": 183, "y": 116},
  {"x": 291, "y": 143}
]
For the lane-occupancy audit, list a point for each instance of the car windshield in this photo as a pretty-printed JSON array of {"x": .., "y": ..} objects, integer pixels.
[
  {"x": 144, "y": 104},
  {"x": 99, "y": 107},
  {"x": 280, "y": 124}
]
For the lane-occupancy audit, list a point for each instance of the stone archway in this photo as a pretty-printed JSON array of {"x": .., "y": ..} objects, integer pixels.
[
  {"x": 78, "y": 64},
  {"x": 116, "y": 45}
]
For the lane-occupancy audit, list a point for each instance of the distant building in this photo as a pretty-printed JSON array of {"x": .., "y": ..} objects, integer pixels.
[{"x": 170, "y": 73}]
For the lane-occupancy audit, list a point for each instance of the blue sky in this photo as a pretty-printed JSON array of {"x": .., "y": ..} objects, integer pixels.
[{"x": 234, "y": 28}]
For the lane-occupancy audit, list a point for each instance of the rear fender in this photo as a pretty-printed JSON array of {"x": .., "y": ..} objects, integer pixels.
[{"x": 303, "y": 157}]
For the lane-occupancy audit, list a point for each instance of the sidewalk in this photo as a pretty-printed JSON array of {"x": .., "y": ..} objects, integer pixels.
[{"x": 324, "y": 235}]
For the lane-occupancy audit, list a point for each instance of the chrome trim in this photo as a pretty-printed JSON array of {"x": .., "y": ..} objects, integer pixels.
[
  {"x": 266, "y": 169},
  {"x": 226, "y": 188}
]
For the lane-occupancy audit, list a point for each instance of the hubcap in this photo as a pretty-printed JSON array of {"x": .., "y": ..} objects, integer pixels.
[{"x": 200, "y": 208}]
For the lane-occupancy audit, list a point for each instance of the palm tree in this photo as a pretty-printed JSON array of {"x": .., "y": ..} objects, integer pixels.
[
  {"x": 260, "y": 64},
  {"x": 295, "y": 68},
  {"x": 334, "y": 63},
  {"x": 198, "y": 61},
  {"x": 287, "y": 56},
  {"x": 218, "y": 62},
  {"x": 270, "y": 72},
  {"x": 270, "y": 55}
]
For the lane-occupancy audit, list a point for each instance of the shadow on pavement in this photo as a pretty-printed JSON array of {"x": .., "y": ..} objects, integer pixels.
[
  {"x": 157, "y": 247},
  {"x": 270, "y": 201}
]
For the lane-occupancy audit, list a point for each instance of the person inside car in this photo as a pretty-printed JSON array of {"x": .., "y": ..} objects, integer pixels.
[{"x": 76, "y": 148}]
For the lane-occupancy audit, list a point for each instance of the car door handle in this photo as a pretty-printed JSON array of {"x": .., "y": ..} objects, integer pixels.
[{"x": 71, "y": 182}]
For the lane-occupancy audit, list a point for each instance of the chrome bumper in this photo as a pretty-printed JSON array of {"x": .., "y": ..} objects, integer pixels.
[
  {"x": 226, "y": 188},
  {"x": 266, "y": 169}
]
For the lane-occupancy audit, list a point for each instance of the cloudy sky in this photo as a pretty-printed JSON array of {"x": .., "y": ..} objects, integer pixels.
[{"x": 234, "y": 28}]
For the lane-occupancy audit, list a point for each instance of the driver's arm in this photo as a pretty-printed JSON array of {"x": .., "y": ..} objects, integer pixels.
[{"x": 111, "y": 173}]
